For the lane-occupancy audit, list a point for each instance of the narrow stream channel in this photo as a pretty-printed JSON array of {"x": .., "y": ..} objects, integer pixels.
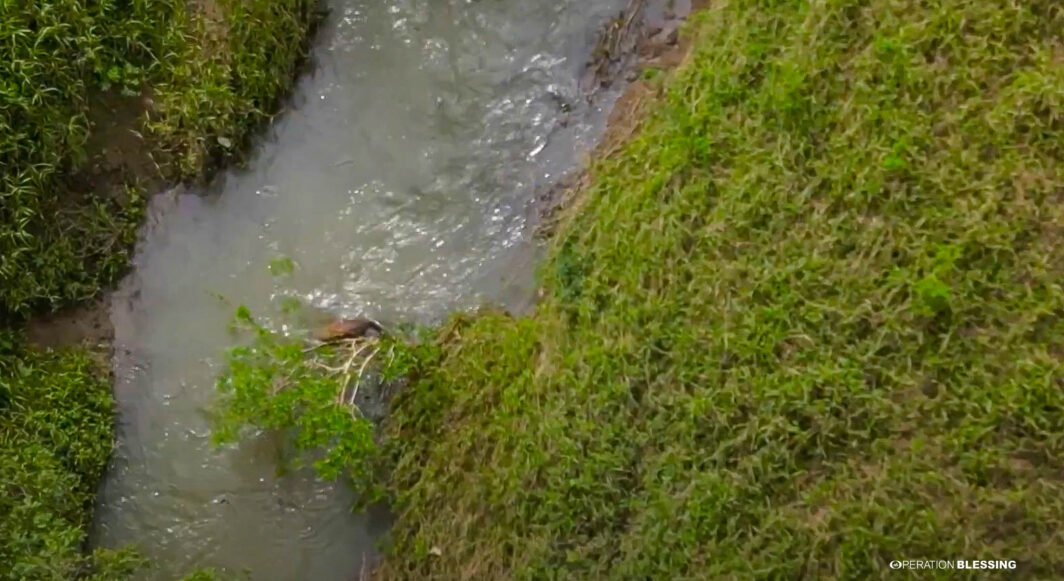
[{"x": 399, "y": 181}]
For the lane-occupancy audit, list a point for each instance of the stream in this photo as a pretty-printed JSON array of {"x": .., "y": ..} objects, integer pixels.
[{"x": 399, "y": 181}]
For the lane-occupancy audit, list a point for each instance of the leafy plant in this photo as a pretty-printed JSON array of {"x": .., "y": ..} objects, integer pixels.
[
  {"x": 55, "y": 441},
  {"x": 278, "y": 383}
]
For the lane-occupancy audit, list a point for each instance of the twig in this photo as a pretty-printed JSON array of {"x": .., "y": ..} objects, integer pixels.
[
  {"x": 315, "y": 347},
  {"x": 361, "y": 370},
  {"x": 347, "y": 369}
]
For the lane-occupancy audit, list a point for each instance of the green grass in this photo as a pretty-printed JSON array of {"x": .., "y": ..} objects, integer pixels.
[
  {"x": 213, "y": 75},
  {"x": 215, "y": 70},
  {"x": 55, "y": 441},
  {"x": 224, "y": 77},
  {"x": 808, "y": 321}
]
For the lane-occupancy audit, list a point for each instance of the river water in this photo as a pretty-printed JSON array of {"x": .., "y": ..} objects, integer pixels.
[{"x": 399, "y": 181}]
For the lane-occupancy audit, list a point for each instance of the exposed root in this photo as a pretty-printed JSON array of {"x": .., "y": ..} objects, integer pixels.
[
  {"x": 362, "y": 351},
  {"x": 361, "y": 372}
]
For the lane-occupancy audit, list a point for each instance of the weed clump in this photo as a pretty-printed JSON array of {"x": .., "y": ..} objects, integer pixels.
[{"x": 55, "y": 441}]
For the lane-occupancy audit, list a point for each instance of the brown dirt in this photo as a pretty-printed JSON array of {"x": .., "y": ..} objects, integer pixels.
[
  {"x": 118, "y": 151},
  {"x": 88, "y": 325}
]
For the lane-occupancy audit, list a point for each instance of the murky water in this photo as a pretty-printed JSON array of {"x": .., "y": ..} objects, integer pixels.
[{"x": 400, "y": 182}]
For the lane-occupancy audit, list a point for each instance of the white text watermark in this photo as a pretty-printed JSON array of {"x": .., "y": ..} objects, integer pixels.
[{"x": 952, "y": 564}]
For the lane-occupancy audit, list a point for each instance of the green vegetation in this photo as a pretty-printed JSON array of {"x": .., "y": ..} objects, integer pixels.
[
  {"x": 809, "y": 320},
  {"x": 274, "y": 382},
  {"x": 55, "y": 440},
  {"x": 214, "y": 71},
  {"x": 223, "y": 75},
  {"x": 193, "y": 79}
]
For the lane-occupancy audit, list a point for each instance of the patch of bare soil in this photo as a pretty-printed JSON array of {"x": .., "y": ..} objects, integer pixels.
[
  {"x": 88, "y": 325},
  {"x": 118, "y": 151}
]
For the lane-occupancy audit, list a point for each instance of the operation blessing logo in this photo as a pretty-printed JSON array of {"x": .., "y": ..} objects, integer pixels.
[{"x": 958, "y": 564}]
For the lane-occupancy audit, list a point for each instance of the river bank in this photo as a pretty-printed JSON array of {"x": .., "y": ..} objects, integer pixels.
[
  {"x": 398, "y": 187},
  {"x": 103, "y": 103},
  {"x": 805, "y": 321}
]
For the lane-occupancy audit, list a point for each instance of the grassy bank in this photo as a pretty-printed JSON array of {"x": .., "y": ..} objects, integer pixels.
[
  {"x": 808, "y": 321},
  {"x": 55, "y": 440},
  {"x": 100, "y": 101},
  {"x": 173, "y": 88}
]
